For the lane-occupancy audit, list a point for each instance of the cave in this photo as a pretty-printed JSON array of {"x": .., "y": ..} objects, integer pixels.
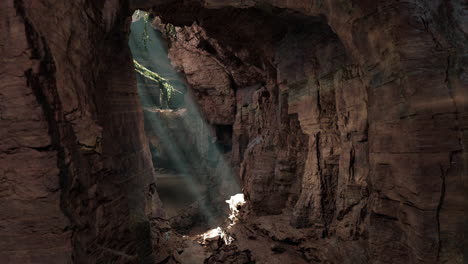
[{"x": 214, "y": 131}]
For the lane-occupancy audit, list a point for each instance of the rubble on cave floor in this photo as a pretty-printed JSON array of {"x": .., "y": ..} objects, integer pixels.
[{"x": 259, "y": 239}]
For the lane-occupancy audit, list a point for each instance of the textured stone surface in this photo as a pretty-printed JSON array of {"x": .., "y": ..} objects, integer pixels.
[
  {"x": 210, "y": 83},
  {"x": 75, "y": 164},
  {"x": 354, "y": 125},
  {"x": 349, "y": 119}
]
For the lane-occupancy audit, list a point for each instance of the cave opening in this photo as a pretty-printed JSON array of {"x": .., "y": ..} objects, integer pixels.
[
  {"x": 261, "y": 96},
  {"x": 286, "y": 74},
  {"x": 188, "y": 153}
]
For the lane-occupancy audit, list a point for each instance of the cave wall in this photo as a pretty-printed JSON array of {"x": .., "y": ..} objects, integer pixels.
[
  {"x": 350, "y": 117},
  {"x": 75, "y": 168}
]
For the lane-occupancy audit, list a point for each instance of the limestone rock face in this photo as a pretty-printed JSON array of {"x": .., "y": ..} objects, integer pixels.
[
  {"x": 209, "y": 80},
  {"x": 75, "y": 166},
  {"x": 349, "y": 125},
  {"x": 350, "y": 117}
]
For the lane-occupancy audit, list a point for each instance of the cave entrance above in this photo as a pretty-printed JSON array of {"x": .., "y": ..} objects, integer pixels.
[{"x": 188, "y": 153}]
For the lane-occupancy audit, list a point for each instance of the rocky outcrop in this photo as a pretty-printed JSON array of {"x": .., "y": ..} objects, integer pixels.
[
  {"x": 29, "y": 176},
  {"x": 75, "y": 165},
  {"x": 350, "y": 118}
]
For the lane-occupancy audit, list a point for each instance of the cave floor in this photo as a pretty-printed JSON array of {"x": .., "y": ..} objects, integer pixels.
[{"x": 176, "y": 201}]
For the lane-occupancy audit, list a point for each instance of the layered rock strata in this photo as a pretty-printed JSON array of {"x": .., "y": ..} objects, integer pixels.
[
  {"x": 350, "y": 118},
  {"x": 349, "y": 127},
  {"x": 75, "y": 167}
]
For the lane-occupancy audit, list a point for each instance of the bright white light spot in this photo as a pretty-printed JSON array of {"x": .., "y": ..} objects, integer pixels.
[
  {"x": 212, "y": 233},
  {"x": 215, "y": 234},
  {"x": 235, "y": 202},
  {"x": 137, "y": 15}
]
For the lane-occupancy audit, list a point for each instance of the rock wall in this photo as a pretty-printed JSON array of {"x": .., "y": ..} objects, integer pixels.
[
  {"x": 350, "y": 117},
  {"x": 349, "y": 123},
  {"x": 75, "y": 168}
]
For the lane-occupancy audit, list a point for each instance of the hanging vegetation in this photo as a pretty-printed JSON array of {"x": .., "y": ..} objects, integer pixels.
[
  {"x": 166, "y": 89},
  {"x": 169, "y": 90},
  {"x": 145, "y": 38}
]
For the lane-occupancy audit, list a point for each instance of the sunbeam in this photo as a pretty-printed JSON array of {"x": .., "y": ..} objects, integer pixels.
[{"x": 186, "y": 151}]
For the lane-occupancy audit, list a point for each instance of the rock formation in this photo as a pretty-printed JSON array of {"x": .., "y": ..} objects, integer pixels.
[
  {"x": 350, "y": 117},
  {"x": 349, "y": 125},
  {"x": 75, "y": 166}
]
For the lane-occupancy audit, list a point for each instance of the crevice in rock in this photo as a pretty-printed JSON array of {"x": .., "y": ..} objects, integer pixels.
[
  {"x": 439, "y": 206},
  {"x": 42, "y": 82}
]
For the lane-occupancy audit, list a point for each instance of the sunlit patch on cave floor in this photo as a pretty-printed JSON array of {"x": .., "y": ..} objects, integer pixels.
[
  {"x": 199, "y": 247},
  {"x": 235, "y": 204}
]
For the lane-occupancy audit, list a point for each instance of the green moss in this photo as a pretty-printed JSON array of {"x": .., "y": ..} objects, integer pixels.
[
  {"x": 169, "y": 90},
  {"x": 145, "y": 38},
  {"x": 171, "y": 30}
]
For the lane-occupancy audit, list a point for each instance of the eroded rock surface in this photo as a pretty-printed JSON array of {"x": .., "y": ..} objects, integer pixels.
[
  {"x": 349, "y": 125},
  {"x": 75, "y": 167},
  {"x": 350, "y": 118}
]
